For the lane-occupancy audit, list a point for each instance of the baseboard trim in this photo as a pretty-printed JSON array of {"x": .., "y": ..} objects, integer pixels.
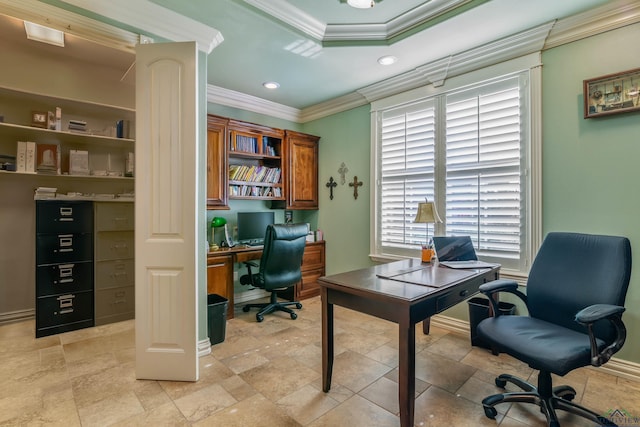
[
  {"x": 17, "y": 316},
  {"x": 204, "y": 347},
  {"x": 618, "y": 367},
  {"x": 253, "y": 294}
]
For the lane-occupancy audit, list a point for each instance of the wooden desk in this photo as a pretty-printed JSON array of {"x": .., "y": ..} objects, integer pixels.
[
  {"x": 403, "y": 303},
  {"x": 220, "y": 271}
]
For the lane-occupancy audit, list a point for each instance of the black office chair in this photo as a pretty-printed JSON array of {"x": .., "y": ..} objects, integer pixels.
[
  {"x": 279, "y": 267},
  {"x": 575, "y": 297}
]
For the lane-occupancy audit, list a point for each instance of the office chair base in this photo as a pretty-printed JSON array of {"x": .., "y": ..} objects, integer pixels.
[
  {"x": 548, "y": 398},
  {"x": 271, "y": 306}
]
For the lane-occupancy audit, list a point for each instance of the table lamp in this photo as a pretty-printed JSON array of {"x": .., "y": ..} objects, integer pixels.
[
  {"x": 427, "y": 214},
  {"x": 218, "y": 222}
]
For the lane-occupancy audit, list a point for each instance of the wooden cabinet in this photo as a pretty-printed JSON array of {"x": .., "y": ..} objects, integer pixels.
[
  {"x": 217, "y": 131},
  {"x": 220, "y": 279},
  {"x": 255, "y": 162},
  {"x": 313, "y": 267},
  {"x": 246, "y": 161},
  {"x": 301, "y": 170}
]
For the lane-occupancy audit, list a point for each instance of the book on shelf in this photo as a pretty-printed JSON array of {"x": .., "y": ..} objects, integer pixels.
[{"x": 78, "y": 162}]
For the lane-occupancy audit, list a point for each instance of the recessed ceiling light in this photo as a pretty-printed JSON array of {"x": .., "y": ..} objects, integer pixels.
[
  {"x": 271, "y": 85},
  {"x": 361, "y": 4},
  {"x": 387, "y": 60},
  {"x": 44, "y": 34}
]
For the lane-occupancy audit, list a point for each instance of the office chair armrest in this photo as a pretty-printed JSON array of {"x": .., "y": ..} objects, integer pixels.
[
  {"x": 612, "y": 313},
  {"x": 250, "y": 264},
  {"x": 501, "y": 285},
  {"x": 248, "y": 278}
]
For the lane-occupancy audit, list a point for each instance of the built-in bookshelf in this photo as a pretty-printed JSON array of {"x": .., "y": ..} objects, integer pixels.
[
  {"x": 255, "y": 164},
  {"x": 69, "y": 127}
]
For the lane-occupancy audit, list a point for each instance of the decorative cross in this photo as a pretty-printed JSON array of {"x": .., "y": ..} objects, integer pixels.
[
  {"x": 343, "y": 171},
  {"x": 355, "y": 184},
  {"x": 331, "y": 185}
]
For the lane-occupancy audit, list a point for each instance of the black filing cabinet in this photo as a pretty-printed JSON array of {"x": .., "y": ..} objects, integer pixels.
[{"x": 64, "y": 266}]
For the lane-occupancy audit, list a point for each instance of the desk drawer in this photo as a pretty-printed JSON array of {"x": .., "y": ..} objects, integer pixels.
[
  {"x": 313, "y": 257},
  {"x": 452, "y": 298},
  {"x": 56, "y": 279},
  {"x": 309, "y": 287}
]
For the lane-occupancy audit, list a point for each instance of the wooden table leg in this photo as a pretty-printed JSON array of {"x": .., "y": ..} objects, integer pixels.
[
  {"x": 407, "y": 373},
  {"x": 426, "y": 325},
  {"x": 327, "y": 340}
]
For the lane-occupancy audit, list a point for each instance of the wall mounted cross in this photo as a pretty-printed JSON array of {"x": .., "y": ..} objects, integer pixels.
[
  {"x": 331, "y": 185},
  {"x": 355, "y": 184},
  {"x": 343, "y": 171}
]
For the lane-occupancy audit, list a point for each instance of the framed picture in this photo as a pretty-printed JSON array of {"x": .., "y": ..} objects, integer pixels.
[
  {"x": 612, "y": 94},
  {"x": 39, "y": 119}
]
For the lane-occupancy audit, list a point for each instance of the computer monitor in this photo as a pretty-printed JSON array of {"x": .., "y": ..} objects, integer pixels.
[{"x": 252, "y": 227}]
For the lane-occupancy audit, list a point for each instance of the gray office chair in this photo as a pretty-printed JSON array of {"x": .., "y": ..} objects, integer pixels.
[
  {"x": 279, "y": 267},
  {"x": 575, "y": 299}
]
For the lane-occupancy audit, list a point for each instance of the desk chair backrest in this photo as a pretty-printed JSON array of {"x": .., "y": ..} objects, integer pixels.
[
  {"x": 572, "y": 271},
  {"x": 282, "y": 255}
]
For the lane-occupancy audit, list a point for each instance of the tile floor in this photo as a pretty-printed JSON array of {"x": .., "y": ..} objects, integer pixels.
[{"x": 268, "y": 374}]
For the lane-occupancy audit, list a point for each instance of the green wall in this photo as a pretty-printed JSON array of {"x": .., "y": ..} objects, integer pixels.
[
  {"x": 590, "y": 166},
  {"x": 344, "y": 220}
]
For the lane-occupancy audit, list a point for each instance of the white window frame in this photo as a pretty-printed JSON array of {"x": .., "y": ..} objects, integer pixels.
[{"x": 532, "y": 227}]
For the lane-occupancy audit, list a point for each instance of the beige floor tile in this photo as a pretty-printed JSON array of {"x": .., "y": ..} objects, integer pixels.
[
  {"x": 437, "y": 407},
  {"x": 164, "y": 415},
  {"x": 357, "y": 412},
  {"x": 279, "y": 377},
  {"x": 204, "y": 402},
  {"x": 441, "y": 371},
  {"x": 254, "y": 411},
  {"x": 110, "y": 410},
  {"x": 356, "y": 371},
  {"x": 307, "y": 404}
]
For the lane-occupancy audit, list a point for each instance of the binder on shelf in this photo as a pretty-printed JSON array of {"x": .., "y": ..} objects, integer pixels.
[
  {"x": 31, "y": 157},
  {"x": 21, "y": 157}
]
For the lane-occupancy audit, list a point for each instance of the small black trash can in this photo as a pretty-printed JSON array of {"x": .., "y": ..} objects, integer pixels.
[
  {"x": 216, "y": 317},
  {"x": 478, "y": 311}
]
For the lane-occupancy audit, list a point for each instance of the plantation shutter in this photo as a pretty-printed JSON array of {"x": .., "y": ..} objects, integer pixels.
[
  {"x": 484, "y": 178},
  {"x": 407, "y": 173}
]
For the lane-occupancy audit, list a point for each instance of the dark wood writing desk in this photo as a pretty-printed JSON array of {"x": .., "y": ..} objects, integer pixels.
[{"x": 403, "y": 303}]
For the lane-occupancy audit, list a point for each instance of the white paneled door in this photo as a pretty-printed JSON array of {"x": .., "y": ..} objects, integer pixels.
[{"x": 166, "y": 187}]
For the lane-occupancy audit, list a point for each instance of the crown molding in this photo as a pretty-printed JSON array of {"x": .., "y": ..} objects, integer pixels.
[
  {"x": 285, "y": 12},
  {"x": 605, "y": 18},
  {"x": 154, "y": 19},
  {"x": 595, "y": 21},
  {"x": 71, "y": 23},
  {"x": 231, "y": 98}
]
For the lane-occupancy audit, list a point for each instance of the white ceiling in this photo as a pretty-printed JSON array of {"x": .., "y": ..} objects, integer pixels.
[{"x": 319, "y": 50}]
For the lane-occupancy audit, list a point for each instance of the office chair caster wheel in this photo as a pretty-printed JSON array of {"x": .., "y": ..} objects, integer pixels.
[
  {"x": 565, "y": 392},
  {"x": 294, "y": 316},
  {"x": 490, "y": 412},
  {"x": 500, "y": 382},
  {"x": 298, "y": 306},
  {"x": 259, "y": 318},
  {"x": 245, "y": 309}
]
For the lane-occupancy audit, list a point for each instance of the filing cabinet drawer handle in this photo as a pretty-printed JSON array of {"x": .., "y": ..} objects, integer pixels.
[
  {"x": 119, "y": 274},
  {"x": 464, "y": 292},
  {"x": 66, "y": 214},
  {"x": 120, "y": 246},
  {"x": 121, "y": 294}
]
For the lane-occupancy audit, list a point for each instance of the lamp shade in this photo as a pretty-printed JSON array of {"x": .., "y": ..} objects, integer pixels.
[
  {"x": 427, "y": 213},
  {"x": 218, "y": 222}
]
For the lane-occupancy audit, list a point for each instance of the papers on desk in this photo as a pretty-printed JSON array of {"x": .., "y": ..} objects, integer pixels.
[{"x": 426, "y": 276}]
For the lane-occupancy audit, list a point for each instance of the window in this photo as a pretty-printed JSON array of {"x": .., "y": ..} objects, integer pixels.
[{"x": 469, "y": 150}]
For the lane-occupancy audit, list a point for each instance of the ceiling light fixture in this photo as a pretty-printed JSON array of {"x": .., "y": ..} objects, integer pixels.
[
  {"x": 44, "y": 34},
  {"x": 361, "y": 4},
  {"x": 271, "y": 85},
  {"x": 387, "y": 60}
]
